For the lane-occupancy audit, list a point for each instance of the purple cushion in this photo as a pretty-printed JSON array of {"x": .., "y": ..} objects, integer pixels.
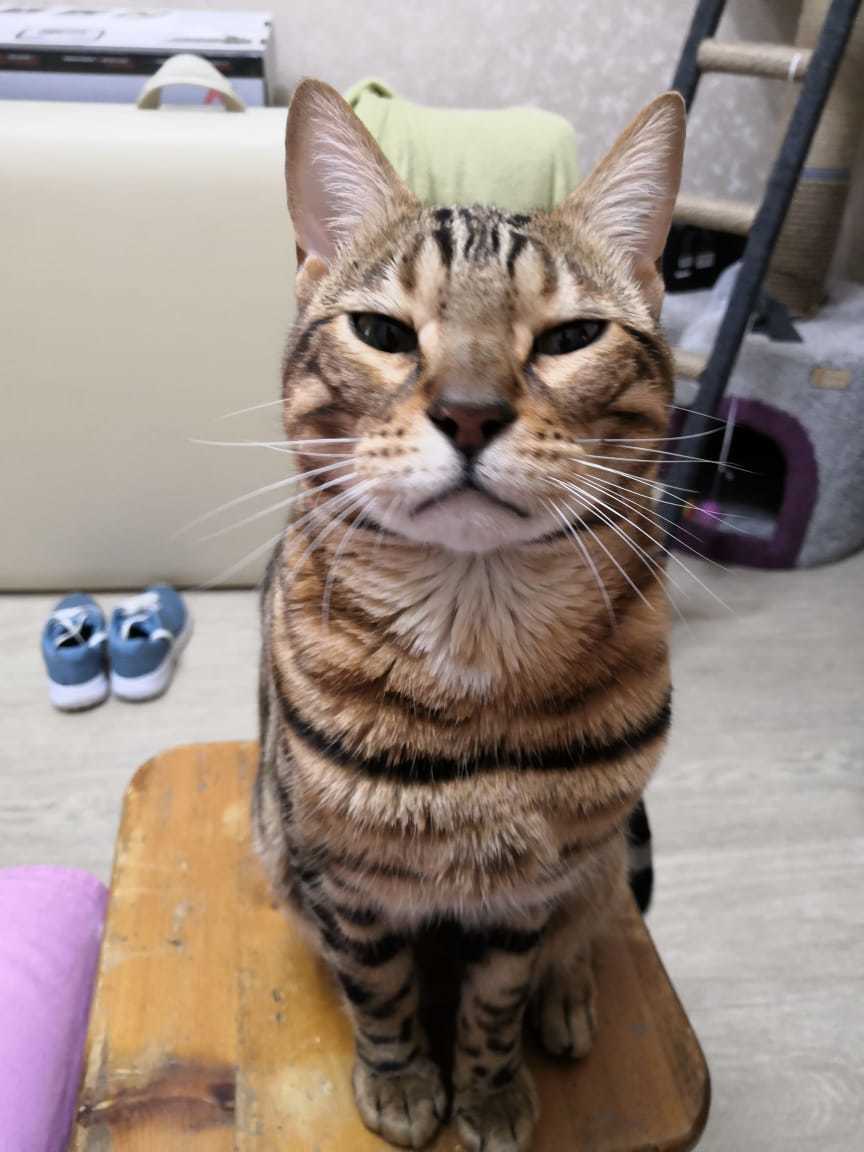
[{"x": 50, "y": 929}]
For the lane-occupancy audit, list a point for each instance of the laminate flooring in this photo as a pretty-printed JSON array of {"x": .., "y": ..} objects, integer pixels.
[{"x": 757, "y": 813}]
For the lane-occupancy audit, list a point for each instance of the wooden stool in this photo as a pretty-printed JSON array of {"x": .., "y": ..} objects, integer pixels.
[{"x": 215, "y": 1027}]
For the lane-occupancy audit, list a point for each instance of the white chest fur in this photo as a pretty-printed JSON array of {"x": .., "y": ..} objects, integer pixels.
[{"x": 476, "y": 618}]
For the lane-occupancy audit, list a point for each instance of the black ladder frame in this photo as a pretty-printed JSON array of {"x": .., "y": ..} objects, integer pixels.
[{"x": 767, "y": 223}]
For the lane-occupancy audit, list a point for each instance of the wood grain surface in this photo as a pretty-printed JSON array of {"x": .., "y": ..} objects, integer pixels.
[{"x": 216, "y": 1028}]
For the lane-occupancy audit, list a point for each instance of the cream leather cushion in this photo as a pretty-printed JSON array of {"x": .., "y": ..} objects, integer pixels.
[{"x": 146, "y": 287}]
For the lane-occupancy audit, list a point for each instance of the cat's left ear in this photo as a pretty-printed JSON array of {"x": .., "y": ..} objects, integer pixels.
[
  {"x": 336, "y": 175},
  {"x": 630, "y": 195}
]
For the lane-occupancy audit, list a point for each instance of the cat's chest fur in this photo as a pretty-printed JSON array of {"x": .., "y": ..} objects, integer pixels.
[{"x": 475, "y": 620}]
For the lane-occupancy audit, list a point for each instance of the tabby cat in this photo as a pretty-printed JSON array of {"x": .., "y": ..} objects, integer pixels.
[{"x": 465, "y": 683}]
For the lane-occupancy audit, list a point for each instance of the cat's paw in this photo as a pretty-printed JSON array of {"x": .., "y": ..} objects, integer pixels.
[
  {"x": 564, "y": 1015},
  {"x": 406, "y": 1108},
  {"x": 500, "y": 1120}
]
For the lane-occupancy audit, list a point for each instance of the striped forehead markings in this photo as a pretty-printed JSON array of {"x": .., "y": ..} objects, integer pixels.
[{"x": 467, "y": 232}]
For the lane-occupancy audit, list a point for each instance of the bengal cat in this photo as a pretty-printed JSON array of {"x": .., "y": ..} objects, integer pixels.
[{"x": 464, "y": 683}]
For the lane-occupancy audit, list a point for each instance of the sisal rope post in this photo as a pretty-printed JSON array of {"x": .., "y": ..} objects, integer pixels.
[
  {"x": 743, "y": 58},
  {"x": 805, "y": 248}
]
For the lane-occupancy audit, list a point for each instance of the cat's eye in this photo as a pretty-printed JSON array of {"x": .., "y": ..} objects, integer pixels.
[
  {"x": 569, "y": 337},
  {"x": 383, "y": 332}
]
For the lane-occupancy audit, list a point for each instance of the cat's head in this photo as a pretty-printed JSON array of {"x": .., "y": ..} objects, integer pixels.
[{"x": 475, "y": 367}]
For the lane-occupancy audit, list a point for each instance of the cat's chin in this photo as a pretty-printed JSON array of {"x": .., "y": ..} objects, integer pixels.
[{"x": 469, "y": 522}]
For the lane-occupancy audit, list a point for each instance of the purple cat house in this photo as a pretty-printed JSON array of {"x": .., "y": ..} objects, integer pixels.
[{"x": 792, "y": 493}]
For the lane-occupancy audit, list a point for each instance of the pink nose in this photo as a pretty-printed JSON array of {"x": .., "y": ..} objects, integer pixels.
[{"x": 471, "y": 427}]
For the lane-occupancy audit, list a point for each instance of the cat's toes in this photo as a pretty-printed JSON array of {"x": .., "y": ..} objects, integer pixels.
[
  {"x": 499, "y": 1120},
  {"x": 565, "y": 1018},
  {"x": 406, "y": 1107}
]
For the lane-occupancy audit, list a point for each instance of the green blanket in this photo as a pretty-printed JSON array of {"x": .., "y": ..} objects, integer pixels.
[{"x": 516, "y": 158}]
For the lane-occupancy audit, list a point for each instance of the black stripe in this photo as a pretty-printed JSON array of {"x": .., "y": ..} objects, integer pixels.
[
  {"x": 500, "y": 1047},
  {"x": 504, "y": 1075},
  {"x": 477, "y": 944},
  {"x": 387, "y": 1007},
  {"x": 400, "y": 1037},
  {"x": 417, "y": 769},
  {"x": 374, "y": 867},
  {"x": 498, "y": 1013},
  {"x": 389, "y": 1066},
  {"x": 518, "y": 994},
  {"x": 517, "y": 243},
  {"x": 355, "y": 992},
  {"x": 361, "y": 917},
  {"x": 443, "y": 235},
  {"x": 550, "y": 271},
  {"x": 368, "y": 953},
  {"x": 638, "y": 830},
  {"x": 286, "y": 807},
  {"x": 470, "y": 232},
  {"x": 652, "y": 346},
  {"x": 373, "y": 953},
  {"x": 296, "y": 352}
]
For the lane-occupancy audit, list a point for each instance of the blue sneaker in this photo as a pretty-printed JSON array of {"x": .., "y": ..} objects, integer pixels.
[
  {"x": 74, "y": 649},
  {"x": 145, "y": 638}
]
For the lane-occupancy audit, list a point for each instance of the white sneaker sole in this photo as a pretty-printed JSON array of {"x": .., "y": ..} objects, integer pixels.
[
  {"x": 152, "y": 684},
  {"x": 73, "y": 697}
]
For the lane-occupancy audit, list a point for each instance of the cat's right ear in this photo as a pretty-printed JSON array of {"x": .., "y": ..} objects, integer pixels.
[
  {"x": 336, "y": 175},
  {"x": 630, "y": 195}
]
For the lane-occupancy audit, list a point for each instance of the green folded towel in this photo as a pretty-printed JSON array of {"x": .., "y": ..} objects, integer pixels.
[{"x": 519, "y": 159}]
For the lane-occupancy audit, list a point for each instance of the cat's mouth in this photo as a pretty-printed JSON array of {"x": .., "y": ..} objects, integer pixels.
[{"x": 468, "y": 483}]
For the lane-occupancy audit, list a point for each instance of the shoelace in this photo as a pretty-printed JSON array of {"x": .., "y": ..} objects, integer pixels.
[
  {"x": 72, "y": 621},
  {"x": 136, "y": 609}
]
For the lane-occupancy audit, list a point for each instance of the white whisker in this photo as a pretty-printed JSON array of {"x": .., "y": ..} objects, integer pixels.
[
  {"x": 276, "y": 445},
  {"x": 636, "y": 479},
  {"x": 665, "y": 498},
  {"x": 600, "y": 486},
  {"x": 587, "y": 527},
  {"x": 695, "y": 412},
  {"x": 252, "y": 408},
  {"x": 293, "y": 479},
  {"x": 586, "y": 555},
  {"x": 276, "y": 507},
  {"x": 247, "y": 559},
  {"x": 593, "y": 503},
  {"x": 650, "y": 563},
  {"x": 331, "y": 525},
  {"x": 334, "y": 563},
  {"x": 645, "y": 439},
  {"x": 675, "y": 559},
  {"x": 668, "y": 457}
]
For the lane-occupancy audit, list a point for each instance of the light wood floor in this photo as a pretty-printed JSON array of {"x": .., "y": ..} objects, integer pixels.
[{"x": 758, "y": 816}]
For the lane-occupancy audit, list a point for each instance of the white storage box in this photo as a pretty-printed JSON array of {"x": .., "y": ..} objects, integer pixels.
[
  {"x": 67, "y": 53},
  {"x": 146, "y": 285}
]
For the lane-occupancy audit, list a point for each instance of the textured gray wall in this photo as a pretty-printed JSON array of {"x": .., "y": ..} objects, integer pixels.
[{"x": 594, "y": 61}]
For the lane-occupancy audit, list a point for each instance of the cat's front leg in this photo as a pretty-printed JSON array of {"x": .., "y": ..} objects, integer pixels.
[
  {"x": 563, "y": 1006},
  {"x": 397, "y": 1087},
  {"x": 495, "y": 1104}
]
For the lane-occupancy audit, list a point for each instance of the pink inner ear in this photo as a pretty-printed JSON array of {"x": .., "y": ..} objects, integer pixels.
[
  {"x": 309, "y": 211},
  {"x": 651, "y": 283}
]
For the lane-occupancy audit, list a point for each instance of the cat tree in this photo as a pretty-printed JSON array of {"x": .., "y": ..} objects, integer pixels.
[{"x": 792, "y": 409}]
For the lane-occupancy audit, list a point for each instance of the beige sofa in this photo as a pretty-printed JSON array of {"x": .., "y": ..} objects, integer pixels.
[{"x": 146, "y": 287}]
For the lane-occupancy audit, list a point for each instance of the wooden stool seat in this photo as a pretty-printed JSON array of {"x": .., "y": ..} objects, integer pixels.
[{"x": 216, "y": 1028}]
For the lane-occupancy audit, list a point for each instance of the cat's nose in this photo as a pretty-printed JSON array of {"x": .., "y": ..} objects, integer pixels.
[{"x": 471, "y": 427}]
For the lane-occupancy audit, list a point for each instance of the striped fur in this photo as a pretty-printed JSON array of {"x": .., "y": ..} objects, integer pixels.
[{"x": 463, "y": 695}]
